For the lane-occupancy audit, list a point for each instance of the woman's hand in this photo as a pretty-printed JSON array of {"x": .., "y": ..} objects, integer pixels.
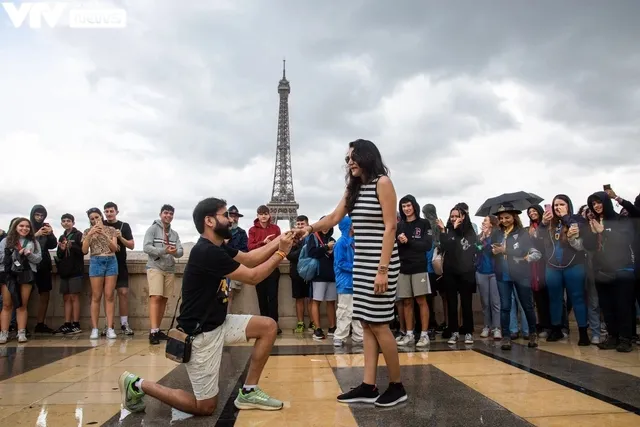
[
  {"x": 596, "y": 227},
  {"x": 440, "y": 224},
  {"x": 547, "y": 217},
  {"x": 573, "y": 231},
  {"x": 381, "y": 283},
  {"x": 26, "y": 252},
  {"x": 562, "y": 210},
  {"x": 497, "y": 249},
  {"x": 457, "y": 223}
]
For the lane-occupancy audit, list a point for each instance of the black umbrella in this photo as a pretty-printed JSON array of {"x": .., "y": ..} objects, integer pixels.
[{"x": 520, "y": 200}]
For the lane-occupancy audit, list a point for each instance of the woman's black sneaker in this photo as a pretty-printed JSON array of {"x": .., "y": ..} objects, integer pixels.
[
  {"x": 395, "y": 394},
  {"x": 364, "y": 393}
]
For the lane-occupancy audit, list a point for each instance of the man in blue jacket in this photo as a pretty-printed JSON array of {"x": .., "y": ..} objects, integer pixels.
[{"x": 239, "y": 240}]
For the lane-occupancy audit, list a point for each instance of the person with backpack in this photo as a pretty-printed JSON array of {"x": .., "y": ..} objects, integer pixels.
[
  {"x": 344, "y": 252},
  {"x": 320, "y": 246},
  {"x": 299, "y": 286}
]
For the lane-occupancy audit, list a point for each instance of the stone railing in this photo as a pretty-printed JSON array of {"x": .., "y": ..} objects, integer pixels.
[{"x": 245, "y": 302}]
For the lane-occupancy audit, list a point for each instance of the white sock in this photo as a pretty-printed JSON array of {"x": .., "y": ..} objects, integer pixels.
[
  {"x": 123, "y": 320},
  {"x": 249, "y": 387},
  {"x": 155, "y": 330},
  {"x": 138, "y": 384},
  {"x": 424, "y": 334},
  {"x": 409, "y": 333}
]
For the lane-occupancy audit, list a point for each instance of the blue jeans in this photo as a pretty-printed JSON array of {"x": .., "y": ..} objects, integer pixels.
[
  {"x": 525, "y": 295},
  {"x": 513, "y": 322},
  {"x": 574, "y": 279},
  {"x": 103, "y": 266}
]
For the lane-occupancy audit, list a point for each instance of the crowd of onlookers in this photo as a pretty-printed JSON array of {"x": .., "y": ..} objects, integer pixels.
[
  {"x": 25, "y": 262},
  {"x": 530, "y": 278}
]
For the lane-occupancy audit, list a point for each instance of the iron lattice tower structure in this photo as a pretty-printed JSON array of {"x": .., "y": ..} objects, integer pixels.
[{"x": 283, "y": 205}]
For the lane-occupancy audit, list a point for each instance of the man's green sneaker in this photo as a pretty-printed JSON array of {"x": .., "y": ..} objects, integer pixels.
[
  {"x": 257, "y": 399},
  {"x": 299, "y": 328},
  {"x": 131, "y": 399}
]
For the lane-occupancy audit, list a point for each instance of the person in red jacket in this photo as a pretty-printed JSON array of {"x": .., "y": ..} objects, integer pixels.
[{"x": 262, "y": 232}]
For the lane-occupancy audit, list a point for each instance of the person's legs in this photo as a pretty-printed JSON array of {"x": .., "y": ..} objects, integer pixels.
[
  {"x": 21, "y": 312},
  {"x": 330, "y": 296},
  {"x": 505, "y": 290},
  {"x": 513, "y": 316},
  {"x": 97, "y": 289},
  {"x": 494, "y": 301},
  {"x": 272, "y": 294},
  {"x": 44, "y": 284},
  {"x": 262, "y": 290},
  {"x": 7, "y": 308},
  {"x": 343, "y": 319},
  {"x": 466, "y": 305},
  {"x": 122, "y": 289},
  {"x": 485, "y": 297},
  {"x": 574, "y": 279},
  {"x": 109, "y": 291},
  {"x": 555, "y": 289}
]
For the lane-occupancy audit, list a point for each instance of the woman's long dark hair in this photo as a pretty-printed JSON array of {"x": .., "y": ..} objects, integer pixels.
[
  {"x": 13, "y": 237},
  {"x": 466, "y": 221},
  {"x": 367, "y": 156},
  {"x": 517, "y": 223}
]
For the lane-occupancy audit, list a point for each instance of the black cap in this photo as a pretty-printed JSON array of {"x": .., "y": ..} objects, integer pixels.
[
  {"x": 233, "y": 210},
  {"x": 508, "y": 207}
]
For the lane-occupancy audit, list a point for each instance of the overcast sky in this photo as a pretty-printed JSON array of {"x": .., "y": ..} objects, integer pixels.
[{"x": 466, "y": 100}]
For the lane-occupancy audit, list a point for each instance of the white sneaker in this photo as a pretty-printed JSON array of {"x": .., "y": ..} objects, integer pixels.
[
  {"x": 454, "y": 338},
  {"x": 543, "y": 335},
  {"x": 423, "y": 341},
  {"x": 337, "y": 343},
  {"x": 497, "y": 334},
  {"x": 485, "y": 332},
  {"x": 468, "y": 339},
  {"x": 111, "y": 334},
  {"x": 400, "y": 337},
  {"x": 406, "y": 340},
  {"x": 595, "y": 340},
  {"x": 95, "y": 334},
  {"x": 22, "y": 336},
  {"x": 4, "y": 337}
]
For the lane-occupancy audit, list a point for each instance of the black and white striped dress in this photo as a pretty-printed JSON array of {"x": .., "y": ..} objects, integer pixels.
[{"x": 369, "y": 230}]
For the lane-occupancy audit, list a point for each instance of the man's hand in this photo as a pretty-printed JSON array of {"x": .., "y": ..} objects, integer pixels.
[
  {"x": 171, "y": 250},
  {"x": 118, "y": 234},
  {"x": 63, "y": 245},
  {"x": 39, "y": 232},
  {"x": 547, "y": 217},
  {"x": 268, "y": 238},
  {"x": 286, "y": 242}
]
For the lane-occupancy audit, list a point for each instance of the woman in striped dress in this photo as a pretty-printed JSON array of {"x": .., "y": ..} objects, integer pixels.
[{"x": 370, "y": 200}]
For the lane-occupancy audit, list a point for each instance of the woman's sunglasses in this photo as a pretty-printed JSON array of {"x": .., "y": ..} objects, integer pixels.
[{"x": 353, "y": 158}]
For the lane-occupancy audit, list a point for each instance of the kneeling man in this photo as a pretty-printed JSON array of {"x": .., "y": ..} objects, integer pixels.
[{"x": 203, "y": 314}]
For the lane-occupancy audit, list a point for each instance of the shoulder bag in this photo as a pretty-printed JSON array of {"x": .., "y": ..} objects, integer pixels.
[{"x": 179, "y": 343}]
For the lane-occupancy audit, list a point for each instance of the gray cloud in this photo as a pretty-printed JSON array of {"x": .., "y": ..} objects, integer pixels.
[{"x": 199, "y": 83}]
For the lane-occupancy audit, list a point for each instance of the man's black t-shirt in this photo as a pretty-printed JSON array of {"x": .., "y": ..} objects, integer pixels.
[
  {"x": 204, "y": 286},
  {"x": 125, "y": 229}
]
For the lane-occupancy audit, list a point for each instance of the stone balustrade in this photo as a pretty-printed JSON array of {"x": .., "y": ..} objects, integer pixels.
[{"x": 245, "y": 302}]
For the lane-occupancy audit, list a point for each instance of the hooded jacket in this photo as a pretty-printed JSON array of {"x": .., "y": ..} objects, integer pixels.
[
  {"x": 70, "y": 262},
  {"x": 613, "y": 247},
  {"x": 257, "y": 233},
  {"x": 562, "y": 252},
  {"x": 419, "y": 239},
  {"x": 459, "y": 245},
  {"x": 47, "y": 243},
  {"x": 538, "y": 274},
  {"x": 323, "y": 255},
  {"x": 9, "y": 254},
  {"x": 156, "y": 239},
  {"x": 343, "y": 253}
]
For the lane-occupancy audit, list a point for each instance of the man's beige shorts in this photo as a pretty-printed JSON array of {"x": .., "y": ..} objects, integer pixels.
[
  {"x": 235, "y": 285},
  {"x": 161, "y": 283}
]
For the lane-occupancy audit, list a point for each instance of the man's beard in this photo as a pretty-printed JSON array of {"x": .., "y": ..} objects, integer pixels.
[
  {"x": 223, "y": 231},
  {"x": 234, "y": 225}
]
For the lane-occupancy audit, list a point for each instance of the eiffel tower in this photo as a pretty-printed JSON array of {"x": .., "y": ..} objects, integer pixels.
[{"x": 283, "y": 205}]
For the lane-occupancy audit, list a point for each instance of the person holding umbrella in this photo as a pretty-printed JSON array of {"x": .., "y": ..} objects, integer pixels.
[{"x": 513, "y": 252}]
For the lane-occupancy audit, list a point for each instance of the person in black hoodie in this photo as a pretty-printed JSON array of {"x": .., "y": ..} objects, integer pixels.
[
  {"x": 44, "y": 281},
  {"x": 458, "y": 240},
  {"x": 324, "y": 284},
  {"x": 513, "y": 252},
  {"x": 613, "y": 266},
  {"x": 538, "y": 284},
  {"x": 563, "y": 235},
  {"x": 414, "y": 238},
  {"x": 70, "y": 263}
]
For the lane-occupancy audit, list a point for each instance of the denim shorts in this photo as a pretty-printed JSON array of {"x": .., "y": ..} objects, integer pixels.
[{"x": 103, "y": 266}]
